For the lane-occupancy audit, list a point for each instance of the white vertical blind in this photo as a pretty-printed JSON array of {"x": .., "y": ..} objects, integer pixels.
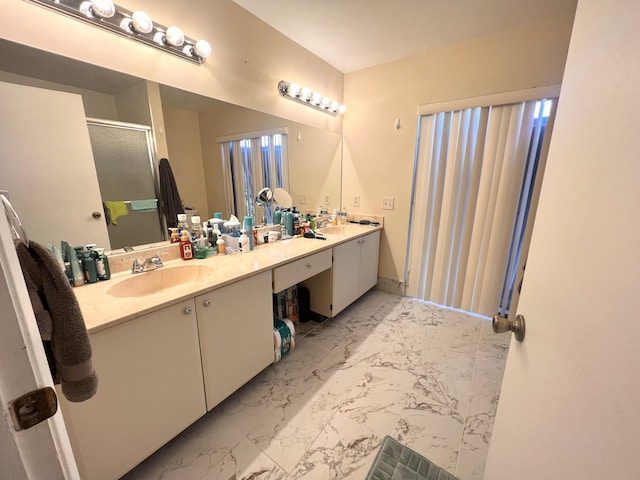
[{"x": 471, "y": 166}]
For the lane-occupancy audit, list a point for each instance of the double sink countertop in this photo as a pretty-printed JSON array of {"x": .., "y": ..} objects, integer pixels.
[{"x": 127, "y": 296}]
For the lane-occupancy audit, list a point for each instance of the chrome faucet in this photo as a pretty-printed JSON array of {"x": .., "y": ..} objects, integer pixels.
[
  {"x": 153, "y": 261},
  {"x": 322, "y": 219}
]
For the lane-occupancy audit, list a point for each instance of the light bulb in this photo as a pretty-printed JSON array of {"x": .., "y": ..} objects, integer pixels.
[
  {"x": 202, "y": 49},
  {"x": 342, "y": 108},
  {"x": 293, "y": 90},
  {"x": 174, "y": 37},
  {"x": 317, "y": 98},
  {"x": 334, "y": 106},
  {"x": 103, "y": 8},
  {"x": 306, "y": 94},
  {"x": 141, "y": 22},
  {"x": 326, "y": 102}
]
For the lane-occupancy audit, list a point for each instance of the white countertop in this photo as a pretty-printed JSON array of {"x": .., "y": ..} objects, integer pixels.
[{"x": 102, "y": 310}]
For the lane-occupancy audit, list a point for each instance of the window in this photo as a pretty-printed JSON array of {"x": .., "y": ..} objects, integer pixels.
[{"x": 251, "y": 162}]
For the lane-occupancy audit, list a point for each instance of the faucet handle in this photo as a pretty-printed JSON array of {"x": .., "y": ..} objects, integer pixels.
[
  {"x": 137, "y": 267},
  {"x": 157, "y": 261}
]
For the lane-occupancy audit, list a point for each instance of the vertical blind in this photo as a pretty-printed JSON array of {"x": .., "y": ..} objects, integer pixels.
[
  {"x": 250, "y": 164},
  {"x": 475, "y": 167}
]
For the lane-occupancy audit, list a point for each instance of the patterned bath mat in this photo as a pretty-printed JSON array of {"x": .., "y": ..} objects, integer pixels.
[{"x": 394, "y": 461}]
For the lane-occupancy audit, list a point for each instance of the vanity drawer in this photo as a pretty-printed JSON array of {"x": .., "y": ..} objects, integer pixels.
[{"x": 299, "y": 270}]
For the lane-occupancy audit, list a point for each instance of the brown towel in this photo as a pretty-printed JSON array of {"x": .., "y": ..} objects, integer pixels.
[{"x": 60, "y": 322}]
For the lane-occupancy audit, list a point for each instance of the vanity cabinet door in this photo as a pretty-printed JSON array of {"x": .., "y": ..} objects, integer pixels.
[
  {"x": 355, "y": 270},
  {"x": 150, "y": 388},
  {"x": 236, "y": 335}
]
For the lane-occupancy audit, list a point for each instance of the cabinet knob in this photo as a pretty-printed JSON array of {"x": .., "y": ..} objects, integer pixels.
[
  {"x": 187, "y": 311},
  {"x": 309, "y": 265},
  {"x": 206, "y": 303}
]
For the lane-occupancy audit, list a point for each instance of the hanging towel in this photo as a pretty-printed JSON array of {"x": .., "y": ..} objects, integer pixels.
[
  {"x": 144, "y": 205},
  {"x": 60, "y": 322},
  {"x": 170, "y": 201},
  {"x": 116, "y": 209}
]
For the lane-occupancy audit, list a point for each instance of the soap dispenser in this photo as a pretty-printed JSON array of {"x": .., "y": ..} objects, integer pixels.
[
  {"x": 244, "y": 243},
  {"x": 186, "y": 247}
]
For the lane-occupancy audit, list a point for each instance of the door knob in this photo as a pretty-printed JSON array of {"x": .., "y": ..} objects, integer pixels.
[
  {"x": 96, "y": 214},
  {"x": 502, "y": 324}
]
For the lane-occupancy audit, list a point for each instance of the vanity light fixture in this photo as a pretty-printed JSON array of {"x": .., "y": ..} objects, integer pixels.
[
  {"x": 136, "y": 26},
  {"x": 304, "y": 95}
]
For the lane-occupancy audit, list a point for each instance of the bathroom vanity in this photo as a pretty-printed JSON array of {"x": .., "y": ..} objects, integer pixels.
[{"x": 171, "y": 344}]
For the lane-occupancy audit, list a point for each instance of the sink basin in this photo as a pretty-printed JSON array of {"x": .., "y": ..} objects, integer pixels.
[
  {"x": 334, "y": 230},
  {"x": 155, "y": 281}
]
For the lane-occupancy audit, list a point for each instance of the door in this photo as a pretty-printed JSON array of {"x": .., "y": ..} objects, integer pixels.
[
  {"x": 42, "y": 451},
  {"x": 45, "y": 149},
  {"x": 570, "y": 395}
]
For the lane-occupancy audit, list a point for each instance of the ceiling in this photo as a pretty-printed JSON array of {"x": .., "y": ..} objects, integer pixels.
[{"x": 356, "y": 34}]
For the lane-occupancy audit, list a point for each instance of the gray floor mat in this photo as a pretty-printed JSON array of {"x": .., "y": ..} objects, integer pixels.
[{"x": 394, "y": 461}]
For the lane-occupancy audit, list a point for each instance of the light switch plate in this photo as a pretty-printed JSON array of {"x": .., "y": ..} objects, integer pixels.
[
  {"x": 387, "y": 203},
  {"x": 356, "y": 200},
  {"x": 327, "y": 199}
]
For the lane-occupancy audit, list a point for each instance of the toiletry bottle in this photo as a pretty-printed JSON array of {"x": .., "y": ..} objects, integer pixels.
[
  {"x": 288, "y": 223},
  {"x": 244, "y": 243},
  {"x": 102, "y": 264},
  {"x": 89, "y": 267},
  {"x": 211, "y": 236},
  {"x": 186, "y": 247},
  {"x": 76, "y": 267},
  {"x": 182, "y": 223},
  {"x": 196, "y": 229},
  {"x": 221, "y": 246},
  {"x": 343, "y": 216},
  {"x": 277, "y": 217},
  {"x": 175, "y": 238}
]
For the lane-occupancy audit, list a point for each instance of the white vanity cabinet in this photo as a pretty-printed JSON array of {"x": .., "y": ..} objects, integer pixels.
[
  {"x": 355, "y": 270},
  {"x": 235, "y": 324},
  {"x": 150, "y": 387}
]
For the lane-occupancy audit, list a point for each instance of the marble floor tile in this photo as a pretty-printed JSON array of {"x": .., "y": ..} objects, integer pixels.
[{"x": 426, "y": 375}]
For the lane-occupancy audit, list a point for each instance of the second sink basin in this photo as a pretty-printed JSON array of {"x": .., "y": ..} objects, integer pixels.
[
  {"x": 156, "y": 281},
  {"x": 334, "y": 229}
]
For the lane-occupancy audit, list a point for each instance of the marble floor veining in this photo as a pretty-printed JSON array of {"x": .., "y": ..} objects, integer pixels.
[{"x": 428, "y": 376}]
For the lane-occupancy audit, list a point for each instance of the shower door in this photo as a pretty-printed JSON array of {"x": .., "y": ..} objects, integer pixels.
[{"x": 123, "y": 155}]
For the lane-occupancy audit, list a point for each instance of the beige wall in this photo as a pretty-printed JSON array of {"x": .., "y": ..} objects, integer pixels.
[
  {"x": 249, "y": 57},
  {"x": 185, "y": 155},
  {"x": 378, "y": 159}
]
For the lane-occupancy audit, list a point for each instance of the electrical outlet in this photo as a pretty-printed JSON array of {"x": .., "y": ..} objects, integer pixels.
[
  {"x": 327, "y": 199},
  {"x": 387, "y": 203},
  {"x": 302, "y": 199},
  {"x": 356, "y": 200}
]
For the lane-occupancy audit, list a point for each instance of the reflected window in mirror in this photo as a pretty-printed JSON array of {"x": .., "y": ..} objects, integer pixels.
[{"x": 251, "y": 163}]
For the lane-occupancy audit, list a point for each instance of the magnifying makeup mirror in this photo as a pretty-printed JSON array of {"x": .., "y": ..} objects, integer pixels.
[{"x": 282, "y": 198}]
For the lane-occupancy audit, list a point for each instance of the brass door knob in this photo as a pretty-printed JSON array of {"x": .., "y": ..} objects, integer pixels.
[{"x": 502, "y": 324}]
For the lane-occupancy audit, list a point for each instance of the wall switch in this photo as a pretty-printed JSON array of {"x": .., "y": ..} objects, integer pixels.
[
  {"x": 387, "y": 203},
  {"x": 356, "y": 200},
  {"x": 303, "y": 199},
  {"x": 327, "y": 199}
]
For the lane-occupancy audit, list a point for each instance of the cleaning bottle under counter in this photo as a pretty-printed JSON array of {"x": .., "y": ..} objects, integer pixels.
[{"x": 186, "y": 247}]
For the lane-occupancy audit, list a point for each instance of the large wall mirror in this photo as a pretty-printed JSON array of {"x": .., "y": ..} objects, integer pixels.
[{"x": 185, "y": 128}]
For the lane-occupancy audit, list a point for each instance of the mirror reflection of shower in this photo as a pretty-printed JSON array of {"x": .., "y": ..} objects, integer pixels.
[{"x": 123, "y": 154}]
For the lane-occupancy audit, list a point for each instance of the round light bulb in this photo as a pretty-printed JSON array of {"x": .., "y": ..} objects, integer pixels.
[
  {"x": 342, "y": 108},
  {"x": 293, "y": 90},
  {"x": 316, "y": 99},
  {"x": 174, "y": 37},
  {"x": 141, "y": 22},
  {"x": 306, "y": 94},
  {"x": 202, "y": 49},
  {"x": 334, "y": 106},
  {"x": 326, "y": 102},
  {"x": 103, "y": 8}
]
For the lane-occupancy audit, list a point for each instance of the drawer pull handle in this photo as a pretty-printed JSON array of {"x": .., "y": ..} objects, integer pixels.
[
  {"x": 309, "y": 265},
  {"x": 187, "y": 311},
  {"x": 206, "y": 303}
]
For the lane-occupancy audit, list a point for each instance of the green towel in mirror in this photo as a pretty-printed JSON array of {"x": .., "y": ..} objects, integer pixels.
[{"x": 144, "y": 205}]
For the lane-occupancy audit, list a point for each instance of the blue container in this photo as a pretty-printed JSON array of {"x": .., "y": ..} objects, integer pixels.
[{"x": 288, "y": 223}]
